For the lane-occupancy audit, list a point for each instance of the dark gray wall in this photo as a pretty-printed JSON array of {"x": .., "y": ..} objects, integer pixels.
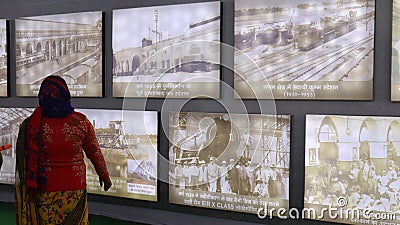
[{"x": 379, "y": 106}]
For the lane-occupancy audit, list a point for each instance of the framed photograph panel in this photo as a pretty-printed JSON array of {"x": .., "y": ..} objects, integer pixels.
[
  {"x": 231, "y": 162},
  {"x": 395, "y": 51},
  {"x": 169, "y": 51},
  {"x": 3, "y": 58},
  {"x": 67, "y": 45},
  {"x": 355, "y": 173},
  {"x": 128, "y": 141},
  {"x": 304, "y": 49}
]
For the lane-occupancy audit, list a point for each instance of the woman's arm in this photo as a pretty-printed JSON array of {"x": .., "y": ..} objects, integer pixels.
[{"x": 93, "y": 152}]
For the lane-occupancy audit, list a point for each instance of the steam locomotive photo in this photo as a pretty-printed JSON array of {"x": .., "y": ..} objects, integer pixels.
[
  {"x": 306, "y": 36},
  {"x": 310, "y": 36}
]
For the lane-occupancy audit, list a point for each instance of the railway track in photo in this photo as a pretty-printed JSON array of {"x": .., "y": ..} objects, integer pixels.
[
  {"x": 332, "y": 64},
  {"x": 320, "y": 67}
]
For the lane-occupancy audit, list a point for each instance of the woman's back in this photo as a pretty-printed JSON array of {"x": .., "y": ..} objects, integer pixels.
[{"x": 62, "y": 159}]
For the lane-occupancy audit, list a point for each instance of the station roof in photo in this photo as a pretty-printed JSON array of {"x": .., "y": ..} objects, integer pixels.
[{"x": 10, "y": 116}]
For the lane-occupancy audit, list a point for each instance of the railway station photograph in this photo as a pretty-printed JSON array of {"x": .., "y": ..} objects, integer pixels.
[
  {"x": 305, "y": 49},
  {"x": 352, "y": 162},
  {"x": 10, "y": 120},
  {"x": 172, "y": 51},
  {"x": 66, "y": 45}
]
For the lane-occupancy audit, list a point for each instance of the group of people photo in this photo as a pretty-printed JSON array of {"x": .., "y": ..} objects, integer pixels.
[
  {"x": 242, "y": 177},
  {"x": 364, "y": 186}
]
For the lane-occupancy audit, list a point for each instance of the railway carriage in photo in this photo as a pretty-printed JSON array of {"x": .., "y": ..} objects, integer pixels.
[{"x": 309, "y": 37}]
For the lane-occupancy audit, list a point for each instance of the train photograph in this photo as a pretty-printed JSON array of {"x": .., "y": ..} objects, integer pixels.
[
  {"x": 305, "y": 42},
  {"x": 66, "y": 45},
  {"x": 153, "y": 56}
]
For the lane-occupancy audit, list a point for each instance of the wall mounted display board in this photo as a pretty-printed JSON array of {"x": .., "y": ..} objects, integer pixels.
[
  {"x": 233, "y": 162},
  {"x": 67, "y": 45},
  {"x": 352, "y": 168},
  {"x": 304, "y": 49},
  {"x": 395, "y": 51},
  {"x": 169, "y": 51},
  {"x": 128, "y": 141},
  {"x": 3, "y": 58}
]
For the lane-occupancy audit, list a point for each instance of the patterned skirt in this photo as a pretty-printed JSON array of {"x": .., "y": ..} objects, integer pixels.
[
  {"x": 45, "y": 208},
  {"x": 51, "y": 208}
]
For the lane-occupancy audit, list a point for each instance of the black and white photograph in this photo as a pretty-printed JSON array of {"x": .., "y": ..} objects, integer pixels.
[
  {"x": 356, "y": 168},
  {"x": 233, "y": 162},
  {"x": 395, "y": 51},
  {"x": 67, "y": 45},
  {"x": 169, "y": 51},
  {"x": 3, "y": 58},
  {"x": 10, "y": 119},
  {"x": 304, "y": 49},
  {"x": 128, "y": 141}
]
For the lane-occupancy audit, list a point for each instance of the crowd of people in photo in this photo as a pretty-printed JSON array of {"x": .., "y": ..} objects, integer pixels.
[
  {"x": 242, "y": 177},
  {"x": 363, "y": 186}
]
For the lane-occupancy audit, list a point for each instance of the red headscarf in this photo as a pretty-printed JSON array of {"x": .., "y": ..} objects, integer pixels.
[
  {"x": 55, "y": 102},
  {"x": 54, "y": 97}
]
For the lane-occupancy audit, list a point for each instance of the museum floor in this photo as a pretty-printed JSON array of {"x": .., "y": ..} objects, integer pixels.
[{"x": 8, "y": 218}]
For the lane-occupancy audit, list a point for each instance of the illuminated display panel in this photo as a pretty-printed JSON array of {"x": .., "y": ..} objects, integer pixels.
[
  {"x": 351, "y": 167},
  {"x": 395, "y": 51},
  {"x": 67, "y": 45},
  {"x": 3, "y": 58},
  {"x": 233, "y": 162},
  {"x": 169, "y": 51},
  {"x": 304, "y": 49}
]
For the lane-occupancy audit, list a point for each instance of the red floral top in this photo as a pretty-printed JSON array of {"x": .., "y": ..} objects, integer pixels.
[{"x": 62, "y": 155}]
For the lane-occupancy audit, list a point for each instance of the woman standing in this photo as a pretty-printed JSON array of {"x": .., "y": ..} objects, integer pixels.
[{"x": 50, "y": 171}]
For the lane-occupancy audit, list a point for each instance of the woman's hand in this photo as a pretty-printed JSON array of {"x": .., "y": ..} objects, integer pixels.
[{"x": 107, "y": 184}]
